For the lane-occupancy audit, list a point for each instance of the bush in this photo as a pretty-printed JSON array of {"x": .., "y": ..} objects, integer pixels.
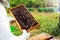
[
  {"x": 50, "y": 29},
  {"x": 31, "y": 9},
  {"x": 41, "y": 9},
  {"x": 48, "y": 25},
  {"x": 49, "y": 9}
]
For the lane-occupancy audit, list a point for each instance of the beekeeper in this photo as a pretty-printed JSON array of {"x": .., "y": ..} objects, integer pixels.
[{"x": 5, "y": 33}]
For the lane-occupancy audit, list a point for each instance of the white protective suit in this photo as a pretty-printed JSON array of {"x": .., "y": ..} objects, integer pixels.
[{"x": 5, "y": 33}]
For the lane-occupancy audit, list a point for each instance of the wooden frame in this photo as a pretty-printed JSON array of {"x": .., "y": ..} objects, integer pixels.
[{"x": 17, "y": 21}]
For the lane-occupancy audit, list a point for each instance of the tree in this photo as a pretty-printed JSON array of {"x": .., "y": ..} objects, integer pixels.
[
  {"x": 29, "y": 3},
  {"x": 18, "y": 2}
]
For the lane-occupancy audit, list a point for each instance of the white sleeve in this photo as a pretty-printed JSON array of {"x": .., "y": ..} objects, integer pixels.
[
  {"x": 1, "y": 37},
  {"x": 4, "y": 23}
]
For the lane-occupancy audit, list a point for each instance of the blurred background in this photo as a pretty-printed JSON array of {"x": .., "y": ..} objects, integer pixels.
[{"x": 46, "y": 12}]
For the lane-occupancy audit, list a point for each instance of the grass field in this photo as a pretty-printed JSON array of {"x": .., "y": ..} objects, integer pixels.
[{"x": 48, "y": 23}]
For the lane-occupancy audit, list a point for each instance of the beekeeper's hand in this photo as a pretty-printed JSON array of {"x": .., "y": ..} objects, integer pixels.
[{"x": 11, "y": 19}]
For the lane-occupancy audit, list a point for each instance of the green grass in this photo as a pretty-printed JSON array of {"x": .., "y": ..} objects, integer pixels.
[{"x": 48, "y": 22}]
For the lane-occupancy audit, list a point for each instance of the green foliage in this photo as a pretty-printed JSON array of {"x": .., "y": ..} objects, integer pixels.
[
  {"x": 49, "y": 10},
  {"x": 41, "y": 9},
  {"x": 28, "y": 3},
  {"x": 48, "y": 23},
  {"x": 18, "y": 2},
  {"x": 31, "y": 9},
  {"x": 12, "y": 28},
  {"x": 15, "y": 30},
  {"x": 13, "y": 3},
  {"x": 41, "y": 3}
]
